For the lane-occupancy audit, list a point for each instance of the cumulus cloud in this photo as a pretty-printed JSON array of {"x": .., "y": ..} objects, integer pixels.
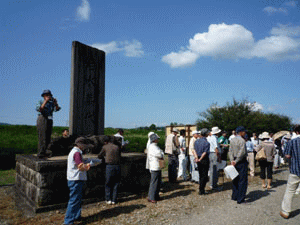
[
  {"x": 235, "y": 42},
  {"x": 130, "y": 49},
  {"x": 84, "y": 11},
  {"x": 271, "y": 10}
]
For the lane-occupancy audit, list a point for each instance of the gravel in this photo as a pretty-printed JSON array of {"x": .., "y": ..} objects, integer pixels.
[{"x": 181, "y": 204}]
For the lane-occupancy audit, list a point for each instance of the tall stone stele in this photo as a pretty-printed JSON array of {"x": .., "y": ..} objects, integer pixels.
[{"x": 87, "y": 90}]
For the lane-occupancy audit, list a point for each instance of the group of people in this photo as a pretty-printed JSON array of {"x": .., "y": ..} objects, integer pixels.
[
  {"x": 206, "y": 151},
  {"x": 204, "y": 155}
]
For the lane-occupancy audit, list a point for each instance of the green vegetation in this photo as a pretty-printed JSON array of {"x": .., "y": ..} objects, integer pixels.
[
  {"x": 7, "y": 176},
  {"x": 242, "y": 113}
]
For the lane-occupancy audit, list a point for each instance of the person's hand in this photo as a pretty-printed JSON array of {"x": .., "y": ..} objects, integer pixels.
[{"x": 233, "y": 163}]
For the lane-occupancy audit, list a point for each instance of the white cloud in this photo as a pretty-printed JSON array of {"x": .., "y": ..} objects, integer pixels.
[
  {"x": 181, "y": 59},
  {"x": 286, "y": 30},
  {"x": 84, "y": 11},
  {"x": 271, "y": 10},
  {"x": 235, "y": 42},
  {"x": 255, "y": 106},
  {"x": 277, "y": 48},
  {"x": 130, "y": 49}
]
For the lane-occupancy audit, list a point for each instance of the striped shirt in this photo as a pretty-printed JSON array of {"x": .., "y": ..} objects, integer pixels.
[{"x": 293, "y": 149}]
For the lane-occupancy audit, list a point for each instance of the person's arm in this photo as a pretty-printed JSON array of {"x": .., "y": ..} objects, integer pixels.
[
  {"x": 57, "y": 108},
  {"x": 79, "y": 162},
  {"x": 242, "y": 151}
]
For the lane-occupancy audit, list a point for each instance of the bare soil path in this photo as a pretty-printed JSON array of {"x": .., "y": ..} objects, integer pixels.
[{"x": 181, "y": 204}]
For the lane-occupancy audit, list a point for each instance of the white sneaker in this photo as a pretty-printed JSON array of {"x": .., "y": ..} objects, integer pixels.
[
  {"x": 113, "y": 203},
  {"x": 108, "y": 202}
]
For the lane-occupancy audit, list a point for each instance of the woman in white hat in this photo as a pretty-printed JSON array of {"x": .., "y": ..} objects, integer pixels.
[{"x": 266, "y": 164}]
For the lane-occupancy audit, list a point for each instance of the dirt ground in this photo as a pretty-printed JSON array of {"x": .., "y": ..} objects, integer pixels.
[{"x": 181, "y": 204}]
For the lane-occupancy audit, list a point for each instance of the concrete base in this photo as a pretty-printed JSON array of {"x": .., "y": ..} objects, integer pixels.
[{"x": 43, "y": 186}]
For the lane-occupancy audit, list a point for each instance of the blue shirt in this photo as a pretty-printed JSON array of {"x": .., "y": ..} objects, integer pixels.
[
  {"x": 48, "y": 110},
  {"x": 293, "y": 149},
  {"x": 249, "y": 146},
  {"x": 201, "y": 146}
]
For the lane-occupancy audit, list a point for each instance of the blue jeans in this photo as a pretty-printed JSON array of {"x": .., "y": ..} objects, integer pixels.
[
  {"x": 74, "y": 205},
  {"x": 112, "y": 181}
]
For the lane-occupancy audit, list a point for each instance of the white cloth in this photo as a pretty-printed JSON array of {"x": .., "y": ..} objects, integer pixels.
[
  {"x": 231, "y": 136},
  {"x": 213, "y": 141},
  {"x": 182, "y": 159},
  {"x": 119, "y": 135},
  {"x": 154, "y": 154}
]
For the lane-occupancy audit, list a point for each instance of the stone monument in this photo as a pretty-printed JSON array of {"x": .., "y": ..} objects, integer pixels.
[
  {"x": 87, "y": 90},
  {"x": 42, "y": 183}
]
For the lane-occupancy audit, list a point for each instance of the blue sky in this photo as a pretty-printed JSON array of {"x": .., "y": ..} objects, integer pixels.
[{"x": 166, "y": 60}]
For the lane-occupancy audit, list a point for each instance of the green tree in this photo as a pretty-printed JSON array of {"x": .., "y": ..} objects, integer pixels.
[
  {"x": 152, "y": 127},
  {"x": 242, "y": 113}
]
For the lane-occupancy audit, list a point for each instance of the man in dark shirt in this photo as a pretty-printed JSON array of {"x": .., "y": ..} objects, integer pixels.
[
  {"x": 112, "y": 155},
  {"x": 201, "y": 154}
]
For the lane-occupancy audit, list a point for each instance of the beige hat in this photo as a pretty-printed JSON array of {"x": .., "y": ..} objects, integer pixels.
[
  {"x": 175, "y": 130},
  {"x": 215, "y": 130},
  {"x": 265, "y": 135}
]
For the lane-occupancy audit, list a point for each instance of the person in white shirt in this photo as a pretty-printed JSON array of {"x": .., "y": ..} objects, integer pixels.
[
  {"x": 154, "y": 154},
  {"x": 120, "y": 134},
  {"x": 233, "y": 135},
  {"x": 214, "y": 158},
  {"x": 182, "y": 156},
  {"x": 194, "y": 172}
]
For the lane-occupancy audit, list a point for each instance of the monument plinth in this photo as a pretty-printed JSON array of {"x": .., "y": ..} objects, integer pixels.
[{"x": 43, "y": 183}]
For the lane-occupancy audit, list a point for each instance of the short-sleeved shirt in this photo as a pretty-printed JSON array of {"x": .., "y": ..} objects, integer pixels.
[
  {"x": 213, "y": 141},
  {"x": 293, "y": 149},
  {"x": 201, "y": 146}
]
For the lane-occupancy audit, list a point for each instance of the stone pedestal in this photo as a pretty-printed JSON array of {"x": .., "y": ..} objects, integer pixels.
[{"x": 43, "y": 184}]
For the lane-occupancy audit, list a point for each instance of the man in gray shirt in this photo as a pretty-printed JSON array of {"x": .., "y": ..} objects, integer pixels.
[{"x": 238, "y": 158}]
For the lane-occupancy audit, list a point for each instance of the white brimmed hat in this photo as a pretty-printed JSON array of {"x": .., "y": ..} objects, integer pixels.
[
  {"x": 265, "y": 135},
  {"x": 195, "y": 132},
  {"x": 215, "y": 130}
]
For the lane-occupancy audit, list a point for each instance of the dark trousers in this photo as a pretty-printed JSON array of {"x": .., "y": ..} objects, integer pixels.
[
  {"x": 172, "y": 167},
  {"x": 240, "y": 183},
  {"x": 154, "y": 187},
  {"x": 112, "y": 181},
  {"x": 203, "y": 167},
  {"x": 44, "y": 127},
  {"x": 264, "y": 164}
]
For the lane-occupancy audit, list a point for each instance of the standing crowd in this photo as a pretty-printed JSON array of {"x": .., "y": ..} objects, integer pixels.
[{"x": 207, "y": 153}]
